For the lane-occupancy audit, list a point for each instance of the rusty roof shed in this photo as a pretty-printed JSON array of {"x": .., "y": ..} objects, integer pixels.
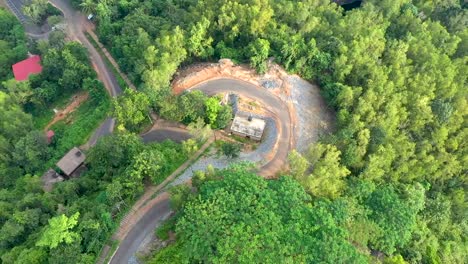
[{"x": 71, "y": 161}]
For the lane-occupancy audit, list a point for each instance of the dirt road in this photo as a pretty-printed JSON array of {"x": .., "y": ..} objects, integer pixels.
[
  {"x": 77, "y": 24},
  {"x": 276, "y": 106},
  {"x": 77, "y": 100},
  {"x": 151, "y": 219}
]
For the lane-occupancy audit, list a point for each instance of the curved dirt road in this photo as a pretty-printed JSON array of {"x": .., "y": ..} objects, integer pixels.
[
  {"x": 76, "y": 26},
  {"x": 279, "y": 111},
  {"x": 129, "y": 246},
  {"x": 276, "y": 107}
]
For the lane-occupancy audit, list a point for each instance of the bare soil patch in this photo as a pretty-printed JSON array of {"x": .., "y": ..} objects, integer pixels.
[
  {"x": 310, "y": 116},
  {"x": 275, "y": 80},
  {"x": 62, "y": 114}
]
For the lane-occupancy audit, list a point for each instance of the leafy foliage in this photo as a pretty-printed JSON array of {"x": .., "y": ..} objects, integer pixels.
[
  {"x": 391, "y": 180},
  {"x": 13, "y": 46},
  {"x": 74, "y": 220},
  {"x": 190, "y": 106},
  {"x": 394, "y": 71},
  {"x": 230, "y": 150},
  {"x": 240, "y": 217},
  {"x": 58, "y": 231},
  {"x": 326, "y": 179},
  {"x": 40, "y": 10},
  {"x": 131, "y": 109}
]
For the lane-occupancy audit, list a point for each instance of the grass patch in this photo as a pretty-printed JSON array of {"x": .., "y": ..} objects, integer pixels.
[
  {"x": 78, "y": 126},
  {"x": 206, "y": 151},
  {"x": 169, "y": 254},
  {"x": 162, "y": 232},
  {"x": 243, "y": 140},
  {"x": 114, "y": 245},
  {"x": 174, "y": 158},
  {"x": 145, "y": 126},
  {"x": 219, "y": 143},
  {"x": 119, "y": 78},
  {"x": 42, "y": 116}
]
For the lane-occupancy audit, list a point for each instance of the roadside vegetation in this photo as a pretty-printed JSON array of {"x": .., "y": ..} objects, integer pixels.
[
  {"x": 119, "y": 78},
  {"x": 389, "y": 186},
  {"x": 395, "y": 73},
  {"x": 30, "y": 219},
  {"x": 13, "y": 44},
  {"x": 273, "y": 221},
  {"x": 85, "y": 210},
  {"x": 132, "y": 108},
  {"x": 66, "y": 73},
  {"x": 41, "y": 11}
]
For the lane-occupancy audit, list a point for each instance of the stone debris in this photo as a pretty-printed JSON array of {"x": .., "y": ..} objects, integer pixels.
[
  {"x": 269, "y": 84},
  {"x": 315, "y": 118},
  {"x": 257, "y": 156}
]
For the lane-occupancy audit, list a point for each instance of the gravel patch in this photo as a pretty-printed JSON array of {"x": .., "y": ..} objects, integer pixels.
[
  {"x": 314, "y": 117},
  {"x": 269, "y": 84},
  {"x": 221, "y": 162},
  {"x": 269, "y": 138},
  {"x": 133, "y": 260}
]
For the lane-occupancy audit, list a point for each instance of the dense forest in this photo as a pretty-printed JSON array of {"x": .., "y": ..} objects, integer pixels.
[
  {"x": 394, "y": 71},
  {"x": 389, "y": 185},
  {"x": 83, "y": 212}
]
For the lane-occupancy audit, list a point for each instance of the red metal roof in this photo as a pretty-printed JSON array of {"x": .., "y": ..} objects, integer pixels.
[
  {"x": 50, "y": 133},
  {"x": 24, "y": 68}
]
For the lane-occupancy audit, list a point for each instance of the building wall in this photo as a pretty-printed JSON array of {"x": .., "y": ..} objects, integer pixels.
[{"x": 244, "y": 135}]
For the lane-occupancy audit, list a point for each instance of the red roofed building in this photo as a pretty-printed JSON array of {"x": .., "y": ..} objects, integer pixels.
[
  {"x": 50, "y": 134},
  {"x": 29, "y": 66}
]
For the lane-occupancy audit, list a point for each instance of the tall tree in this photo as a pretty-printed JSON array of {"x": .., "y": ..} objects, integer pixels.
[
  {"x": 36, "y": 9},
  {"x": 59, "y": 231},
  {"x": 131, "y": 109},
  {"x": 226, "y": 223}
]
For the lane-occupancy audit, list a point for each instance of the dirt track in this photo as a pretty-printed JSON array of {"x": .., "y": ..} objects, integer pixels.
[
  {"x": 77, "y": 25},
  {"x": 278, "y": 110},
  {"x": 77, "y": 100}
]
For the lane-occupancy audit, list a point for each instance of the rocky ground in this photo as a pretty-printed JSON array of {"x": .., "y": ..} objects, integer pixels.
[
  {"x": 310, "y": 114},
  {"x": 259, "y": 155},
  {"x": 314, "y": 117}
]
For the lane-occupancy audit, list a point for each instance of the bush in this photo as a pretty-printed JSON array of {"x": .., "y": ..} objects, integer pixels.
[
  {"x": 231, "y": 150},
  {"x": 162, "y": 232}
]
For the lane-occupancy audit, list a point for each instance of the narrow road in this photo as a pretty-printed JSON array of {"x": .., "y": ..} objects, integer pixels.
[
  {"x": 77, "y": 25},
  {"x": 275, "y": 105},
  {"x": 161, "y": 134},
  {"x": 129, "y": 245},
  {"x": 106, "y": 128},
  {"x": 155, "y": 216},
  {"x": 137, "y": 225}
]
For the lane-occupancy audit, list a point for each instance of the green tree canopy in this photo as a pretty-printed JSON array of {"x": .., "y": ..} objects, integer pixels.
[
  {"x": 241, "y": 217},
  {"x": 59, "y": 231},
  {"x": 131, "y": 109}
]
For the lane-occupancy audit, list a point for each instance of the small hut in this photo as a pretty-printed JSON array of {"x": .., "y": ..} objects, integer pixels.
[
  {"x": 71, "y": 162},
  {"x": 246, "y": 125}
]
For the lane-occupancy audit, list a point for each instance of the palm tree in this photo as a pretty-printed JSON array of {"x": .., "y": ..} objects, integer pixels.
[{"x": 88, "y": 6}]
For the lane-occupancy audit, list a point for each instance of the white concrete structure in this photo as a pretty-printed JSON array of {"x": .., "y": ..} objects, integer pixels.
[{"x": 247, "y": 126}]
